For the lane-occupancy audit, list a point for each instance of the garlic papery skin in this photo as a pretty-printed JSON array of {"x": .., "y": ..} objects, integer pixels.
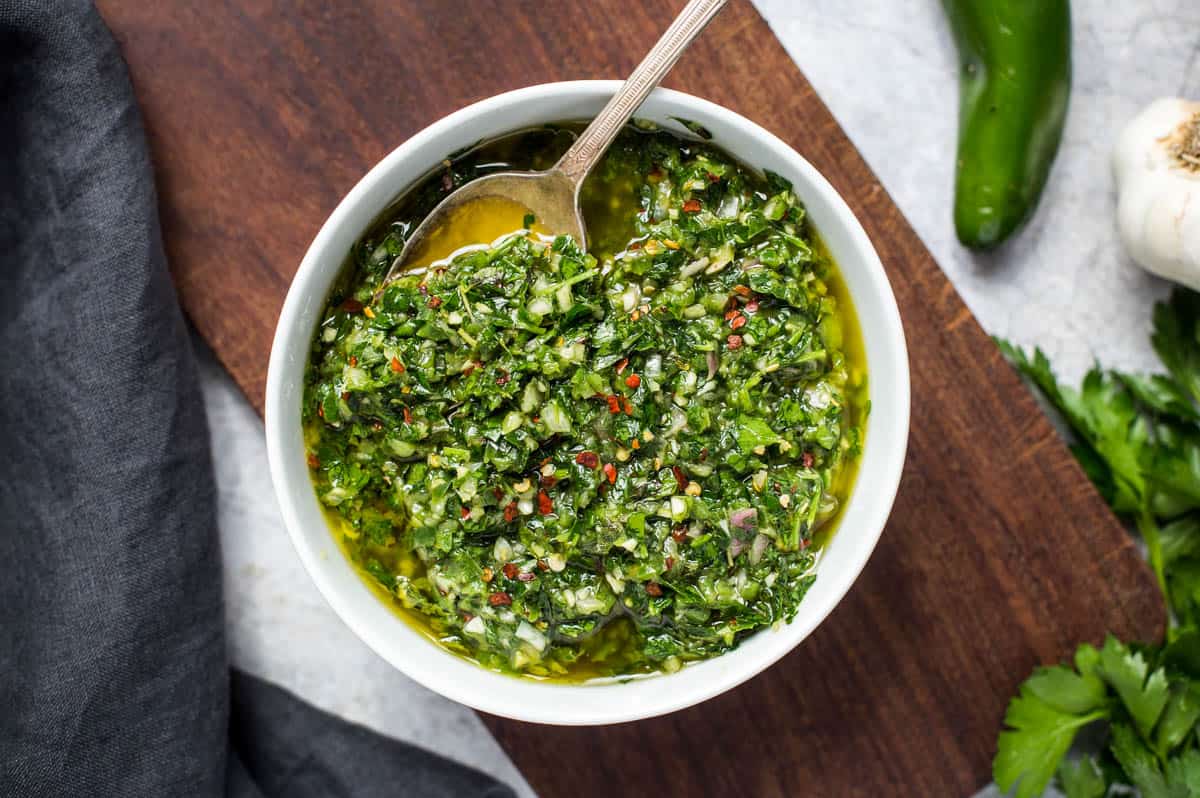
[{"x": 1157, "y": 165}]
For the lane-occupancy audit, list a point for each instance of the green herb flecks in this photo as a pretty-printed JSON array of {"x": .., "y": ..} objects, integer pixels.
[{"x": 581, "y": 464}]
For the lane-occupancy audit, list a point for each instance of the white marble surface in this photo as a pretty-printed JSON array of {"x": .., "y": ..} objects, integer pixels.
[
  {"x": 1064, "y": 282},
  {"x": 886, "y": 68}
]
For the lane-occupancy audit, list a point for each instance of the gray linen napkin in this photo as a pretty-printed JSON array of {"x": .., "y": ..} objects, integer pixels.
[{"x": 113, "y": 677}]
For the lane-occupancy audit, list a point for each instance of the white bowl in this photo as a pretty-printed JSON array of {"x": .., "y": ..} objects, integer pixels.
[{"x": 527, "y": 699}]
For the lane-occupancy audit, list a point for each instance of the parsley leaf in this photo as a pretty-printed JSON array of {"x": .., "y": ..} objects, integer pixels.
[
  {"x": 1103, "y": 416},
  {"x": 1180, "y": 539},
  {"x": 1183, "y": 773},
  {"x": 1143, "y": 693},
  {"x": 1115, "y": 434},
  {"x": 1082, "y": 779},
  {"x": 1037, "y": 369},
  {"x": 1179, "y": 718},
  {"x": 1140, "y": 764},
  {"x": 1038, "y": 737},
  {"x": 1067, "y": 691},
  {"x": 1176, "y": 338},
  {"x": 753, "y": 432},
  {"x": 1172, "y": 468},
  {"x": 1161, "y": 394}
]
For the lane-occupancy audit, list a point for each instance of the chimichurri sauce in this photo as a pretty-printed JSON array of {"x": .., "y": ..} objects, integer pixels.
[{"x": 572, "y": 464}]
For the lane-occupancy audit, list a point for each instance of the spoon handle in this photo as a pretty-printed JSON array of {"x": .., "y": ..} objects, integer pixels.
[{"x": 593, "y": 142}]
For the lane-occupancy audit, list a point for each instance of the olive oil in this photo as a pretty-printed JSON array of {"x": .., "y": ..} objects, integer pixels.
[{"x": 612, "y": 207}]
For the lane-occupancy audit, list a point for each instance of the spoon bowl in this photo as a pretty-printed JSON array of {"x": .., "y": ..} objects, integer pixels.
[{"x": 550, "y": 197}]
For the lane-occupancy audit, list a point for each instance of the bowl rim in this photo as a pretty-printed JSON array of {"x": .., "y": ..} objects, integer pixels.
[{"x": 493, "y": 692}]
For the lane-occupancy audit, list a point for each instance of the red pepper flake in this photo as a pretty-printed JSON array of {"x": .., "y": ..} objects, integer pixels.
[
  {"x": 692, "y": 206},
  {"x": 744, "y": 290},
  {"x": 487, "y": 575},
  {"x": 499, "y": 599},
  {"x": 610, "y": 471},
  {"x": 806, "y": 459},
  {"x": 467, "y": 617},
  {"x": 543, "y": 565},
  {"x": 526, "y": 576},
  {"x": 353, "y": 361},
  {"x": 622, "y": 365},
  {"x": 499, "y": 494},
  {"x": 465, "y": 512},
  {"x": 670, "y": 563},
  {"x": 732, "y": 314},
  {"x": 633, "y": 381},
  {"x": 714, "y": 178},
  {"x": 738, "y": 323},
  {"x": 321, "y": 411},
  {"x": 636, "y": 245},
  {"x": 503, "y": 378},
  {"x": 351, "y": 305},
  {"x": 313, "y": 461},
  {"x": 628, "y": 408},
  {"x": 545, "y": 505},
  {"x": 510, "y": 512},
  {"x": 397, "y": 366},
  {"x": 752, "y": 306},
  {"x": 469, "y": 370},
  {"x": 588, "y": 459},
  {"x": 734, "y": 342},
  {"x": 407, "y": 416},
  {"x": 345, "y": 396},
  {"x": 679, "y": 533},
  {"x": 614, "y": 404},
  {"x": 510, "y": 570},
  {"x": 652, "y": 589},
  {"x": 434, "y": 302},
  {"x": 680, "y": 478}
]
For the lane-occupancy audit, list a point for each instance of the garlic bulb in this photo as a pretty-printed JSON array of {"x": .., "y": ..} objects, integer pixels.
[{"x": 1157, "y": 164}]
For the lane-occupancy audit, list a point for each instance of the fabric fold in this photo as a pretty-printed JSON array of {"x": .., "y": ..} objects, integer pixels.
[{"x": 113, "y": 673}]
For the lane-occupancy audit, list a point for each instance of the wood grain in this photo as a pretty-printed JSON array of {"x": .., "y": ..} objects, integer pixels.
[{"x": 999, "y": 555}]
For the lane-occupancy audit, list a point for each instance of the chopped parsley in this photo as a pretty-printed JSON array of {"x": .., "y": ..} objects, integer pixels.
[{"x": 578, "y": 464}]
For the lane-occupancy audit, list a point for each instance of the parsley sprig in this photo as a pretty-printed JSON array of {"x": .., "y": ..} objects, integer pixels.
[{"x": 1138, "y": 439}]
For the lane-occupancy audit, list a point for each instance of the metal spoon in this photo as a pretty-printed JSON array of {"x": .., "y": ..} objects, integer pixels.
[{"x": 552, "y": 196}]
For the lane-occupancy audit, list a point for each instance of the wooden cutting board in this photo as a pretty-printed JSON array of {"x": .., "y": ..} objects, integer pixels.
[{"x": 999, "y": 555}]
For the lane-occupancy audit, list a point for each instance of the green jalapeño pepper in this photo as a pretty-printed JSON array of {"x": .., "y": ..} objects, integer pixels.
[{"x": 1015, "y": 57}]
